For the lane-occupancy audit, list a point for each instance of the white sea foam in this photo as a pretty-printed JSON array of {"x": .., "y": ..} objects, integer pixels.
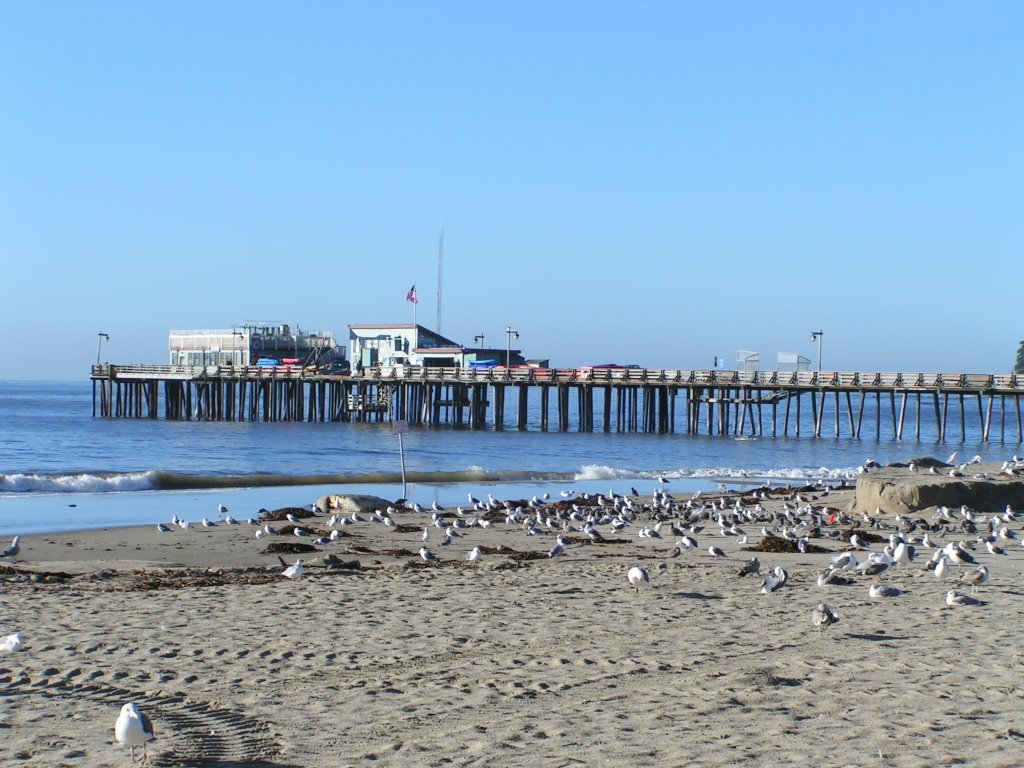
[
  {"x": 788, "y": 474},
  {"x": 600, "y": 472},
  {"x": 77, "y": 483}
]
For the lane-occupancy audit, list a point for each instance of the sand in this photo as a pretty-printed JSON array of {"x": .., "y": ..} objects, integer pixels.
[{"x": 499, "y": 663}]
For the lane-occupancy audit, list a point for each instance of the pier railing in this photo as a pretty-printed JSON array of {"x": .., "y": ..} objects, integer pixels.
[{"x": 527, "y": 375}]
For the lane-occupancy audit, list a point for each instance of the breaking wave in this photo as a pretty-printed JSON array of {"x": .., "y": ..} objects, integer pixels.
[{"x": 157, "y": 480}]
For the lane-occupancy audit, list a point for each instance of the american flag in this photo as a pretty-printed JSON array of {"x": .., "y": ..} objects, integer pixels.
[{"x": 411, "y": 295}]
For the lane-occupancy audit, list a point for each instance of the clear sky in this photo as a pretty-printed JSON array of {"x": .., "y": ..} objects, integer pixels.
[{"x": 637, "y": 182}]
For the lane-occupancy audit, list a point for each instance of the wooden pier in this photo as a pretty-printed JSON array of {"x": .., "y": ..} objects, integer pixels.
[{"x": 736, "y": 403}]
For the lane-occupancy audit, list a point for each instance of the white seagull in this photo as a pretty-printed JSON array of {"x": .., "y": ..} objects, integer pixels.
[
  {"x": 12, "y": 550},
  {"x": 774, "y": 581},
  {"x": 294, "y": 571},
  {"x": 474, "y": 554},
  {"x": 134, "y": 729},
  {"x": 954, "y": 598},
  {"x": 638, "y": 577},
  {"x": 427, "y": 555},
  {"x": 12, "y": 643},
  {"x": 715, "y": 551},
  {"x": 882, "y": 590}
]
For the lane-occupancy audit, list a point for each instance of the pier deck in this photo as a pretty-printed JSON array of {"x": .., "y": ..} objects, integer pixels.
[{"x": 714, "y": 402}]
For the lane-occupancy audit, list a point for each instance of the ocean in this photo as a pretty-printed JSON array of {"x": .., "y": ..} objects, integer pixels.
[{"x": 63, "y": 469}]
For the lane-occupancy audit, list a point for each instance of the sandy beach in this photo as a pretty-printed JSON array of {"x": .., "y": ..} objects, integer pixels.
[{"x": 508, "y": 661}]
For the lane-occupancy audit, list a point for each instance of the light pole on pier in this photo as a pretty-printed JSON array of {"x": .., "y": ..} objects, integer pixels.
[
  {"x": 509, "y": 333},
  {"x": 99, "y": 344},
  {"x": 479, "y": 340},
  {"x": 816, "y": 336}
]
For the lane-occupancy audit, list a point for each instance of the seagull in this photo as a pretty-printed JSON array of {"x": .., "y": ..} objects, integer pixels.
[
  {"x": 638, "y": 577},
  {"x": 555, "y": 551},
  {"x": 133, "y": 729},
  {"x": 993, "y": 549},
  {"x": 975, "y": 578},
  {"x": 753, "y": 565},
  {"x": 823, "y": 617},
  {"x": 12, "y": 643},
  {"x": 954, "y": 598},
  {"x": 222, "y": 510},
  {"x": 294, "y": 571},
  {"x": 474, "y": 554},
  {"x": 293, "y": 519},
  {"x": 12, "y": 550},
  {"x": 774, "y": 581},
  {"x": 427, "y": 555},
  {"x": 161, "y": 528},
  {"x": 882, "y": 590},
  {"x": 831, "y": 576},
  {"x": 715, "y": 551}
]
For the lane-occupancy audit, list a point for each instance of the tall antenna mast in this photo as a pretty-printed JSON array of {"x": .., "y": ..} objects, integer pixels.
[{"x": 440, "y": 265}]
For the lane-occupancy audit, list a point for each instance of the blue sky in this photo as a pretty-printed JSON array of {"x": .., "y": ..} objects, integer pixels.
[{"x": 654, "y": 183}]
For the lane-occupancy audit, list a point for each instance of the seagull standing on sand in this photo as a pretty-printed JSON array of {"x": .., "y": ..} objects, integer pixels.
[
  {"x": 638, "y": 577},
  {"x": 12, "y": 643},
  {"x": 12, "y": 550},
  {"x": 474, "y": 554},
  {"x": 715, "y": 551},
  {"x": 294, "y": 571},
  {"x": 823, "y": 617},
  {"x": 134, "y": 729},
  {"x": 427, "y": 555},
  {"x": 975, "y": 578}
]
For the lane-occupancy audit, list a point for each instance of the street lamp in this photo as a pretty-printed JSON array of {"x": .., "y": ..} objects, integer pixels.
[
  {"x": 99, "y": 344},
  {"x": 235, "y": 336},
  {"x": 509, "y": 333},
  {"x": 479, "y": 340},
  {"x": 816, "y": 336}
]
